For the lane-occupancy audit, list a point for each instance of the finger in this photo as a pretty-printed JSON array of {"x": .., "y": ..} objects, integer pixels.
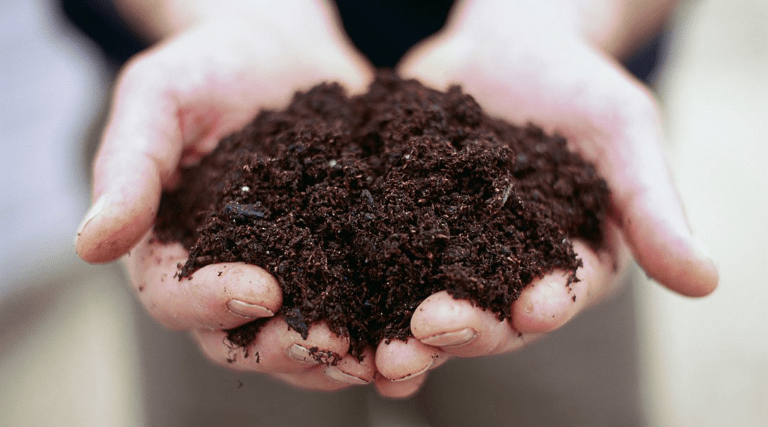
[
  {"x": 217, "y": 348},
  {"x": 656, "y": 229},
  {"x": 403, "y": 360},
  {"x": 399, "y": 389},
  {"x": 460, "y": 328},
  {"x": 276, "y": 348},
  {"x": 550, "y": 302},
  {"x": 218, "y": 296},
  {"x": 284, "y": 350},
  {"x": 348, "y": 372}
]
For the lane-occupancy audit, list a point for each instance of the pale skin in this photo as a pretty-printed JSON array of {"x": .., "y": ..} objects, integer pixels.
[{"x": 214, "y": 68}]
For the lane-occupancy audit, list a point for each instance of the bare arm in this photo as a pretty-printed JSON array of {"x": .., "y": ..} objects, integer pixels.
[{"x": 618, "y": 27}]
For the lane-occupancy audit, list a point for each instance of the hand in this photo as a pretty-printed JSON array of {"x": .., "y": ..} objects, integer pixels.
[
  {"x": 172, "y": 105},
  {"x": 526, "y": 63}
]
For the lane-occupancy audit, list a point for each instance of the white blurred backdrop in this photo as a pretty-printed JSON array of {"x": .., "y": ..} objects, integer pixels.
[{"x": 706, "y": 361}]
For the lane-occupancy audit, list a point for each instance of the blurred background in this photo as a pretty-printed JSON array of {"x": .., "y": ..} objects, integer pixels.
[{"x": 68, "y": 352}]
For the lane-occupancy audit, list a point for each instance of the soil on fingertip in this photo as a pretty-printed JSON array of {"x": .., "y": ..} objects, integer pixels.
[{"x": 363, "y": 206}]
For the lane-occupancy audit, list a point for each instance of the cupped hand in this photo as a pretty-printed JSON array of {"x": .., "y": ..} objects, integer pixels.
[
  {"x": 527, "y": 64},
  {"x": 172, "y": 105}
]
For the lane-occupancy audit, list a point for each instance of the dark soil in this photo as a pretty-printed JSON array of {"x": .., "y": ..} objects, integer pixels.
[{"x": 363, "y": 206}]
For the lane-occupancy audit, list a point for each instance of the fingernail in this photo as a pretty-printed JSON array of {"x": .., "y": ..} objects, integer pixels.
[
  {"x": 337, "y": 374},
  {"x": 451, "y": 339},
  {"x": 91, "y": 214},
  {"x": 245, "y": 309},
  {"x": 415, "y": 374},
  {"x": 302, "y": 354}
]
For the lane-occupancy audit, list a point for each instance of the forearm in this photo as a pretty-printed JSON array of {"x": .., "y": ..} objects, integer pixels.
[
  {"x": 616, "y": 26},
  {"x": 158, "y": 19}
]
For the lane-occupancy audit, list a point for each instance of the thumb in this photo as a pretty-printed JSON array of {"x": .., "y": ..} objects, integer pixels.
[
  {"x": 140, "y": 150},
  {"x": 656, "y": 230},
  {"x": 646, "y": 204}
]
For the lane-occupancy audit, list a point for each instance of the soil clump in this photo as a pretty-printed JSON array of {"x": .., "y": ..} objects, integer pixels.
[{"x": 363, "y": 206}]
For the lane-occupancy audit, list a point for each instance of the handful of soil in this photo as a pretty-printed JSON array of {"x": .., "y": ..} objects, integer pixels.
[{"x": 363, "y": 206}]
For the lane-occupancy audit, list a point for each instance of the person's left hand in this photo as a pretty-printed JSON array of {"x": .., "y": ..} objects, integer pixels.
[{"x": 524, "y": 64}]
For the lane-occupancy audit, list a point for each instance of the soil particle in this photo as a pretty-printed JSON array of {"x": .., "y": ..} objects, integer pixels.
[{"x": 363, "y": 206}]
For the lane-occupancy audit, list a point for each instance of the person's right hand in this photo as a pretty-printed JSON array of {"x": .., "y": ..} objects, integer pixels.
[{"x": 172, "y": 105}]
